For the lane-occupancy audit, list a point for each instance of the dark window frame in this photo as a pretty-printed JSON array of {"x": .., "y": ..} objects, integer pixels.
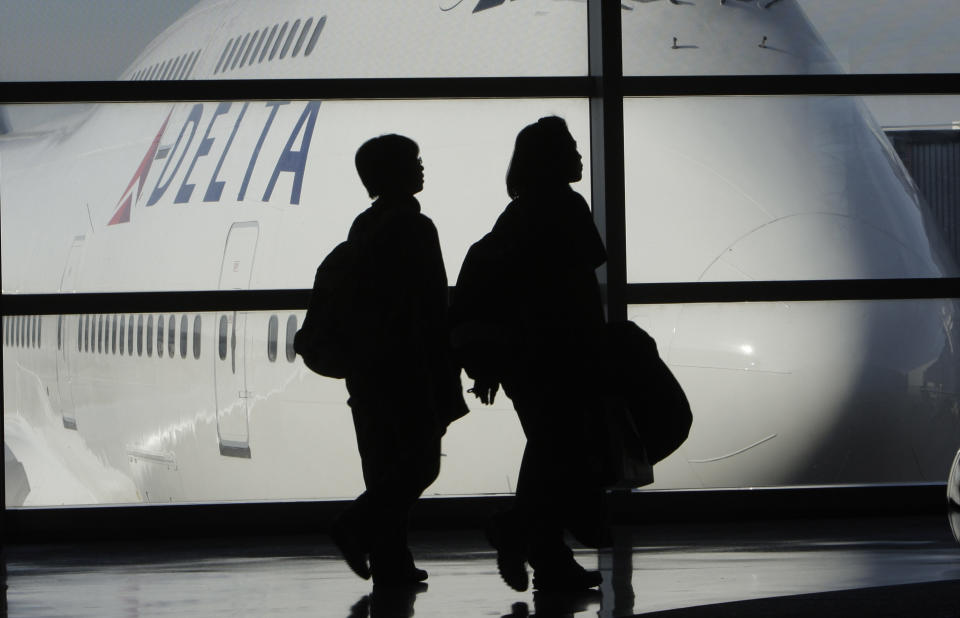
[{"x": 605, "y": 87}]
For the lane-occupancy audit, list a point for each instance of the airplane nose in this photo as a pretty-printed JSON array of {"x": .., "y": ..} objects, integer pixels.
[{"x": 818, "y": 392}]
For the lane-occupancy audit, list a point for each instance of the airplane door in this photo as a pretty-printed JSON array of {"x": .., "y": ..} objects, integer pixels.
[
  {"x": 65, "y": 357},
  {"x": 230, "y": 354}
]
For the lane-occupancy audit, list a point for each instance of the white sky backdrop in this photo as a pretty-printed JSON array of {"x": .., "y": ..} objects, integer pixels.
[{"x": 97, "y": 39}]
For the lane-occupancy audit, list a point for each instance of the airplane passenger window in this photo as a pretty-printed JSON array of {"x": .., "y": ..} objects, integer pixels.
[
  {"x": 159, "y": 336},
  {"x": 183, "y": 336},
  {"x": 139, "y": 335},
  {"x": 193, "y": 63},
  {"x": 39, "y": 328},
  {"x": 99, "y": 334},
  {"x": 246, "y": 54},
  {"x": 303, "y": 35},
  {"x": 223, "y": 337},
  {"x": 130, "y": 336},
  {"x": 239, "y": 52},
  {"x": 113, "y": 335},
  {"x": 233, "y": 50},
  {"x": 293, "y": 33},
  {"x": 291, "y": 333},
  {"x": 86, "y": 334},
  {"x": 266, "y": 46},
  {"x": 172, "y": 336},
  {"x": 149, "y": 336},
  {"x": 276, "y": 44},
  {"x": 273, "y": 328},
  {"x": 223, "y": 56},
  {"x": 106, "y": 334},
  {"x": 175, "y": 68},
  {"x": 33, "y": 331},
  {"x": 59, "y": 332},
  {"x": 315, "y": 36},
  {"x": 196, "y": 337},
  {"x": 184, "y": 66},
  {"x": 123, "y": 324},
  {"x": 256, "y": 50}
]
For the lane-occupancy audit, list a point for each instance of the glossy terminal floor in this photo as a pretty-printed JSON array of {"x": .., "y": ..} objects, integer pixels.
[{"x": 890, "y": 566}]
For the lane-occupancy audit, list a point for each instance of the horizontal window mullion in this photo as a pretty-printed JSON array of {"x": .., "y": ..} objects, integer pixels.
[
  {"x": 472, "y": 87},
  {"x": 637, "y": 293},
  {"x": 793, "y": 291},
  {"x": 293, "y": 89},
  {"x": 862, "y": 85}
]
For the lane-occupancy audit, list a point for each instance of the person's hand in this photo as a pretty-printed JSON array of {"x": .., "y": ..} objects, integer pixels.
[{"x": 485, "y": 389}]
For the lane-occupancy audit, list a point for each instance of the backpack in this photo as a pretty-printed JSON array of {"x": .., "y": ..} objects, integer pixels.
[
  {"x": 323, "y": 340},
  {"x": 483, "y": 307}
]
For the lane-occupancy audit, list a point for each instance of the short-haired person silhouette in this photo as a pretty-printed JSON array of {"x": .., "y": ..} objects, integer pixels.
[
  {"x": 404, "y": 389},
  {"x": 541, "y": 301}
]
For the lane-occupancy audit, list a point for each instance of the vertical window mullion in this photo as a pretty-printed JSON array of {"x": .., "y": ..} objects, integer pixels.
[{"x": 604, "y": 38}]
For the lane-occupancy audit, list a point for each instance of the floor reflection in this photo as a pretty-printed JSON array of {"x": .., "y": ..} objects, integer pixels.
[
  {"x": 652, "y": 568},
  {"x": 388, "y": 602},
  {"x": 559, "y": 605}
]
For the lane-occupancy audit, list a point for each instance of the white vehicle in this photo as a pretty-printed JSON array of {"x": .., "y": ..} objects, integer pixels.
[{"x": 161, "y": 407}]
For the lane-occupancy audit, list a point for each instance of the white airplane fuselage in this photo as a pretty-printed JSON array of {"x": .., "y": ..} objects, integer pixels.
[{"x": 114, "y": 407}]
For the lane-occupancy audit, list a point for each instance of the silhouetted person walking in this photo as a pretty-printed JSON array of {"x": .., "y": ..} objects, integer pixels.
[
  {"x": 528, "y": 315},
  {"x": 404, "y": 389}
]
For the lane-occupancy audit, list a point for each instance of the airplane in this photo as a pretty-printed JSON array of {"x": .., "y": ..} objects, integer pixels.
[{"x": 199, "y": 407}]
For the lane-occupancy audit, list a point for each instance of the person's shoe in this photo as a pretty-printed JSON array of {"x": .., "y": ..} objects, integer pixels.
[
  {"x": 409, "y": 576},
  {"x": 566, "y": 579},
  {"x": 511, "y": 558},
  {"x": 352, "y": 549}
]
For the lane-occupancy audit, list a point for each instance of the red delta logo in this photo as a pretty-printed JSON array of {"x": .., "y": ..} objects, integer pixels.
[
  {"x": 197, "y": 138},
  {"x": 122, "y": 215}
]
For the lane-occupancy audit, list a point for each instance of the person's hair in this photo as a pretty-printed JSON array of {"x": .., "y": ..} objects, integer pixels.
[
  {"x": 376, "y": 161},
  {"x": 540, "y": 155}
]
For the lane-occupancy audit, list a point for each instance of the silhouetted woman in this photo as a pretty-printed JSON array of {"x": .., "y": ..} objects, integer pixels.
[
  {"x": 528, "y": 316},
  {"x": 404, "y": 389}
]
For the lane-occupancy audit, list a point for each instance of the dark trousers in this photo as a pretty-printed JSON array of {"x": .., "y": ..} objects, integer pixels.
[
  {"x": 399, "y": 448},
  {"x": 559, "y": 485}
]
